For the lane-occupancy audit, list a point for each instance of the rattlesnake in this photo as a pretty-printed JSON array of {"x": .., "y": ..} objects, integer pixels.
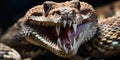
[{"x": 64, "y": 28}]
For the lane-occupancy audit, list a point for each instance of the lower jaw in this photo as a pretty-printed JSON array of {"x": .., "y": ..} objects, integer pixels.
[{"x": 60, "y": 53}]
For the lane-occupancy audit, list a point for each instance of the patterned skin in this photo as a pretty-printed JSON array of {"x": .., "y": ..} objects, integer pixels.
[
  {"x": 62, "y": 28},
  {"x": 106, "y": 42},
  {"x": 7, "y": 53}
]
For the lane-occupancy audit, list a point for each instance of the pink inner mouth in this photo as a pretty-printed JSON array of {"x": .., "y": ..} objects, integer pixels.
[{"x": 67, "y": 34}]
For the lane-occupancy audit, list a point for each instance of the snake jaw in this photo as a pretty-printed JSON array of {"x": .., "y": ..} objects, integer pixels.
[
  {"x": 78, "y": 35},
  {"x": 67, "y": 39},
  {"x": 60, "y": 30}
]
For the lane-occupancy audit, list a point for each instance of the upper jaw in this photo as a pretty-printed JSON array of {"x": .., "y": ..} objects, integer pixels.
[{"x": 66, "y": 45}]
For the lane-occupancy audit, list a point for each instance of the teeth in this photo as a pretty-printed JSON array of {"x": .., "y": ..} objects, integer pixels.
[
  {"x": 74, "y": 43},
  {"x": 80, "y": 35},
  {"x": 71, "y": 46},
  {"x": 59, "y": 42},
  {"x": 58, "y": 30},
  {"x": 75, "y": 28},
  {"x": 64, "y": 47},
  {"x": 69, "y": 23},
  {"x": 64, "y": 23}
]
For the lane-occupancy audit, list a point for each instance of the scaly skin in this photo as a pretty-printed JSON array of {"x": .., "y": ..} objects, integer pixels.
[
  {"x": 62, "y": 35},
  {"x": 7, "y": 53},
  {"x": 57, "y": 27},
  {"x": 32, "y": 30},
  {"x": 106, "y": 42}
]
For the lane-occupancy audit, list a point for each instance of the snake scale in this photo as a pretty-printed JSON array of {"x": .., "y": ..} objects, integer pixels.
[{"x": 66, "y": 29}]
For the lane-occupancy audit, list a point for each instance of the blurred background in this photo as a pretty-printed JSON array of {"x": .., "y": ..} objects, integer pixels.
[{"x": 12, "y": 10}]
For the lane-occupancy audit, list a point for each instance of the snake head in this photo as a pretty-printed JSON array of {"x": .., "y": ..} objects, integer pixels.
[{"x": 60, "y": 27}]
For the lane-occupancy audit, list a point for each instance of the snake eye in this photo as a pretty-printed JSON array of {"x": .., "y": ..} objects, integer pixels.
[
  {"x": 37, "y": 14},
  {"x": 56, "y": 12}
]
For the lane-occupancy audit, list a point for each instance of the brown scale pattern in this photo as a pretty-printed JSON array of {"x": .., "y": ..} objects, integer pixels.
[
  {"x": 7, "y": 53},
  {"x": 106, "y": 42},
  {"x": 98, "y": 46}
]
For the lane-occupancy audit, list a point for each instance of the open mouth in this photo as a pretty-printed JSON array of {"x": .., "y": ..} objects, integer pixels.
[{"x": 62, "y": 34}]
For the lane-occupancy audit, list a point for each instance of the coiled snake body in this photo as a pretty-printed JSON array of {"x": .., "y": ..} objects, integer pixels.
[{"x": 64, "y": 29}]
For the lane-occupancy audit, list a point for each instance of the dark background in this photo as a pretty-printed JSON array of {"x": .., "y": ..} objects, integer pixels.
[{"x": 12, "y": 10}]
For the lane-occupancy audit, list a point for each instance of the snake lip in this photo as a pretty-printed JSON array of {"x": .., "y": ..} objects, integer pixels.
[
  {"x": 55, "y": 36},
  {"x": 65, "y": 33},
  {"x": 61, "y": 30},
  {"x": 69, "y": 35}
]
